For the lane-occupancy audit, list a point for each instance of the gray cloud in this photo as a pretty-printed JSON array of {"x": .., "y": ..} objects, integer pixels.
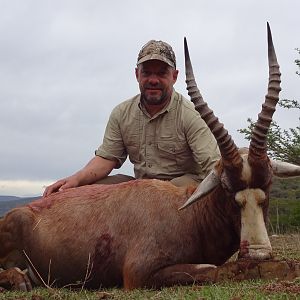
[{"x": 65, "y": 64}]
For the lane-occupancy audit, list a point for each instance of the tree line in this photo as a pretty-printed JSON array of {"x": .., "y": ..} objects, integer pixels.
[{"x": 283, "y": 144}]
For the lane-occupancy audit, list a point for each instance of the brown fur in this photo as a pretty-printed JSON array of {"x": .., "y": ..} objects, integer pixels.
[{"x": 128, "y": 234}]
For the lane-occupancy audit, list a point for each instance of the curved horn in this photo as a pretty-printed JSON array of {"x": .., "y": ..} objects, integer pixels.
[
  {"x": 209, "y": 183},
  {"x": 229, "y": 150},
  {"x": 284, "y": 169},
  {"x": 258, "y": 144}
]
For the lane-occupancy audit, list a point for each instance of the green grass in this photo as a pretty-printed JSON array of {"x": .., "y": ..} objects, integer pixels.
[
  {"x": 234, "y": 291},
  {"x": 284, "y": 246},
  {"x": 284, "y": 209}
]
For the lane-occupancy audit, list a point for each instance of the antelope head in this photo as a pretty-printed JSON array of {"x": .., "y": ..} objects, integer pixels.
[{"x": 244, "y": 174}]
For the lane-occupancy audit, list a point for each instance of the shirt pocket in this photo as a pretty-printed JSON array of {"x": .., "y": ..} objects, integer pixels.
[{"x": 174, "y": 154}]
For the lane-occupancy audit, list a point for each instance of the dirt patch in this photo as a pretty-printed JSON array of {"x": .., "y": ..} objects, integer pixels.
[
  {"x": 282, "y": 287},
  {"x": 246, "y": 269}
]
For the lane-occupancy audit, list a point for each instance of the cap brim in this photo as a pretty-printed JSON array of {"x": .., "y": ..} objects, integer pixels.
[{"x": 156, "y": 57}]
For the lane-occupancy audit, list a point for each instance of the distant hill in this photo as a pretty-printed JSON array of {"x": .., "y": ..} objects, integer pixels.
[
  {"x": 284, "y": 210},
  {"x": 9, "y": 202},
  {"x": 8, "y": 198}
]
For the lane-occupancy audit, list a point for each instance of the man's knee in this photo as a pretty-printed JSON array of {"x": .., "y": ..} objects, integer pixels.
[
  {"x": 113, "y": 179},
  {"x": 187, "y": 179}
]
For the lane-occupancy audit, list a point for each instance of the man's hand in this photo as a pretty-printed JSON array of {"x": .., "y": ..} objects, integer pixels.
[
  {"x": 95, "y": 170},
  {"x": 61, "y": 185}
]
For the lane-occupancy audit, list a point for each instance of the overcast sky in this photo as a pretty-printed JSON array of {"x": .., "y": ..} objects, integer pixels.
[{"x": 65, "y": 64}]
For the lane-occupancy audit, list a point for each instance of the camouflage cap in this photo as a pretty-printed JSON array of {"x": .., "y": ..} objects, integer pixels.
[{"x": 157, "y": 50}]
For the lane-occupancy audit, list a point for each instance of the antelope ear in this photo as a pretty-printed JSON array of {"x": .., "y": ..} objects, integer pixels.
[
  {"x": 284, "y": 169},
  {"x": 206, "y": 186}
]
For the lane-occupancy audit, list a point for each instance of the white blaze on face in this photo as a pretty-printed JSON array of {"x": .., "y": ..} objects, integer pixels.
[
  {"x": 246, "y": 172},
  {"x": 255, "y": 242}
]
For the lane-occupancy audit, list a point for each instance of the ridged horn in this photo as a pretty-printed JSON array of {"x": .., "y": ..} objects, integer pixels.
[
  {"x": 258, "y": 144},
  {"x": 228, "y": 149}
]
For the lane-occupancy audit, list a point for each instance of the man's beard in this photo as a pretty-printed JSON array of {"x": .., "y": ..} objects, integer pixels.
[{"x": 155, "y": 99}]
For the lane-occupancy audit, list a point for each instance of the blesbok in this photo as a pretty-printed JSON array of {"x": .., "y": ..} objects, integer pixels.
[{"x": 134, "y": 235}]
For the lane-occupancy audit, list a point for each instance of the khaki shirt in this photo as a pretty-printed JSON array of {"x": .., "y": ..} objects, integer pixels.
[{"x": 174, "y": 142}]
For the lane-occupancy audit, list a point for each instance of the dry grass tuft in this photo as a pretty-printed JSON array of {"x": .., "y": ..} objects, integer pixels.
[{"x": 286, "y": 246}]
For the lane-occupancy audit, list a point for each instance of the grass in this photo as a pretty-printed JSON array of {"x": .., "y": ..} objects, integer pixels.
[
  {"x": 233, "y": 291},
  {"x": 284, "y": 246},
  {"x": 284, "y": 209}
]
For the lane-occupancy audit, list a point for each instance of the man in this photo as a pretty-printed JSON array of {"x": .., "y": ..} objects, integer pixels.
[{"x": 160, "y": 131}]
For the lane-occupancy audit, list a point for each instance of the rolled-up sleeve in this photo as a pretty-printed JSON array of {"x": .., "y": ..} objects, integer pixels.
[
  {"x": 113, "y": 147},
  {"x": 202, "y": 143}
]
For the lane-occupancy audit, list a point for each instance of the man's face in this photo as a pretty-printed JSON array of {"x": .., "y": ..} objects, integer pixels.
[{"x": 156, "y": 80}]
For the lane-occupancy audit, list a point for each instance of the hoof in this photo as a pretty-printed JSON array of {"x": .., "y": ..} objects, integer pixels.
[
  {"x": 15, "y": 279},
  {"x": 255, "y": 252}
]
